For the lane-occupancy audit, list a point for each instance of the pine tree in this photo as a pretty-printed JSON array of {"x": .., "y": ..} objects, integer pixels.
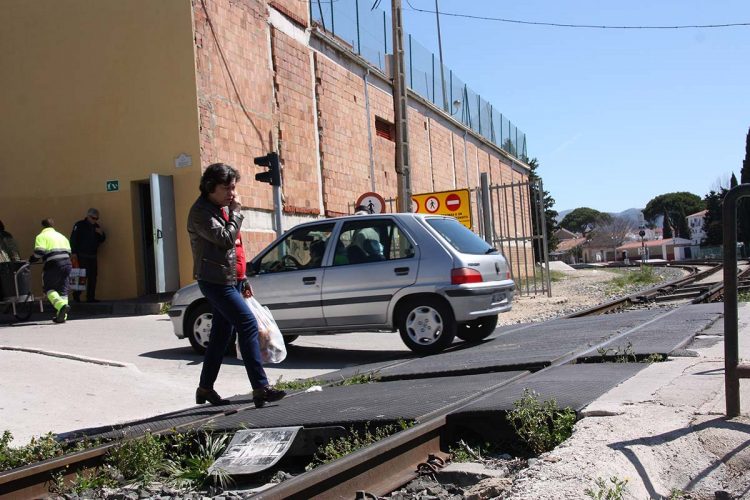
[
  {"x": 550, "y": 215},
  {"x": 743, "y": 206}
]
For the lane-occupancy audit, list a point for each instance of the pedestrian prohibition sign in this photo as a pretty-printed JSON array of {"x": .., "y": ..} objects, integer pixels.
[{"x": 454, "y": 203}]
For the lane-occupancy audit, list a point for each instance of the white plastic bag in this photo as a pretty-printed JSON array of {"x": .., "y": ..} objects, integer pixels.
[{"x": 272, "y": 348}]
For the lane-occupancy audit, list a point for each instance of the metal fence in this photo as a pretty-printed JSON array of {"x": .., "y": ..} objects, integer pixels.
[{"x": 368, "y": 32}]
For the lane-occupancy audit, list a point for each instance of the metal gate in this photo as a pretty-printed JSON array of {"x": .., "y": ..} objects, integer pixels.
[{"x": 515, "y": 215}]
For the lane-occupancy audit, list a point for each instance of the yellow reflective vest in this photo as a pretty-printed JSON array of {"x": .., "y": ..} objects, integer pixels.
[{"x": 50, "y": 245}]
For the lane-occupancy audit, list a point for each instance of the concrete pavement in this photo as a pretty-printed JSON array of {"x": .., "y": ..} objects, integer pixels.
[{"x": 107, "y": 370}]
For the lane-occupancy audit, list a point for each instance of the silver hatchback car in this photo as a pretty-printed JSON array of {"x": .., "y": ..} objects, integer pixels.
[{"x": 427, "y": 276}]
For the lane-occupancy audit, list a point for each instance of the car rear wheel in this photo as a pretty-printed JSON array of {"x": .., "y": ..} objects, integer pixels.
[
  {"x": 198, "y": 328},
  {"x": 478, "y": 329},
  {"x": 427, "y": 325}
]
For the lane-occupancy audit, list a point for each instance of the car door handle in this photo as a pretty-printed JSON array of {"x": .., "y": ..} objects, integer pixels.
[
  {"x": 309, "y": 280},
  {"x": 401, "y": 271}
]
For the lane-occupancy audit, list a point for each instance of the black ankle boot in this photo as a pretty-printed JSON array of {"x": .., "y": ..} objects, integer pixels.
[
  {"x": 267, "y": 395},
  {"x": 202, "y": 395}
]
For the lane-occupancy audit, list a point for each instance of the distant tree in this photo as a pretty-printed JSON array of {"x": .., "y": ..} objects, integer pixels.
[
  {"x": 675, "y": 207},
  {"x": 611, "y": 234},
  {"x": 584, "y": 219},
  {"x": 550, "y": 215},
  {"x": 712, "y": 220}
]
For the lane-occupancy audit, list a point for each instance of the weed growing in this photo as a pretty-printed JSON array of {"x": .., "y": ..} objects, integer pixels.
[
  {"x": 604, "y": 491},
  {"x": 619, "y": 354},
  {"x": 540, "y": 425},
  {"x": 743, "y": 296},
  {"x": 645, "y": 275},
  {"x": 356, "y": 440},
  {"x": 40, "y": 448},
  {"x": 165, "y": 307},
  {"x": 140, "y": 460},
  {"x": 191, "y": 471},
  {"x": 462, "y": 452},
  {"x": 359, "y": 378},
  {"x": 296, "y": 385}
]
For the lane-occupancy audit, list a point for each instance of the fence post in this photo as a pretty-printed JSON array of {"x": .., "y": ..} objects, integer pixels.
[
  {"x": 486, "y": 209},
  {"x": 733, "y": 371}
]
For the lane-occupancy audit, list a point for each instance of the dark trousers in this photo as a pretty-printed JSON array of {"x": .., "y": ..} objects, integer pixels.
[
  {"x": 91, "y": 267},
  {"x": 231, "y": 314},
  {"x": 55, "y": 276}
]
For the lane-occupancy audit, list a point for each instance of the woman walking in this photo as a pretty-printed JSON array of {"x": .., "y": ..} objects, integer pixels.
[{"x": 214, "y": 227}]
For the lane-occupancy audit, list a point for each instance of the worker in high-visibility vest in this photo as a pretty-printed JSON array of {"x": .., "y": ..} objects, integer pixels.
[{"x": 53, "y": 249}]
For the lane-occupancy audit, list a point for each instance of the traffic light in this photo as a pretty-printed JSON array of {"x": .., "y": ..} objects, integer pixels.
[{"x": 273, "y": 174}]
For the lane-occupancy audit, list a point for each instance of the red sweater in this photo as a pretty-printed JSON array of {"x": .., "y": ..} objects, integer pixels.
[{"x": 241, "y": 260}]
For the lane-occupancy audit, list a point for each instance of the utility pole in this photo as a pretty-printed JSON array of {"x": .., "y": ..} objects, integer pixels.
[
  {"x": 440, "y": 51},
  {"x": 400, "y": 112}
]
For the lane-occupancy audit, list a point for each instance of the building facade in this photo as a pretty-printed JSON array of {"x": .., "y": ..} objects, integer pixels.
[{"x": 120, "y": 105}]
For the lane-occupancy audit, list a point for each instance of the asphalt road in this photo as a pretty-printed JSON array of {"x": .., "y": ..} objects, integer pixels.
[{"x": 100, "y": 371}]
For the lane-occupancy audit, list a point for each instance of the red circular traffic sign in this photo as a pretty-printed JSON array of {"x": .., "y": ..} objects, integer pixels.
[
  {"x": 432, "y": 204},
  {"x": 453, "y": 202}
]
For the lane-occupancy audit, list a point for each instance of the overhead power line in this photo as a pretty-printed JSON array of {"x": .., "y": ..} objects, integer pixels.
[{"x": 584, "y": 26}]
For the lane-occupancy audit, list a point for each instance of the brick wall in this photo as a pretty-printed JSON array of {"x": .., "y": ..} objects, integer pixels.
[
  {"x": 296, "y": 130},
  {"x": 344, "y": 149},
  {"x": 235, "y": 89}
]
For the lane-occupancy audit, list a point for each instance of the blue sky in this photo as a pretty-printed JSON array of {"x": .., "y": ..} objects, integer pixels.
[{"x": 615, "y": 117}]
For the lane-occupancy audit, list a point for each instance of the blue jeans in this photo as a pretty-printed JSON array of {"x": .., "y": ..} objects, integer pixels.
[{"x": 231, "y": 314}]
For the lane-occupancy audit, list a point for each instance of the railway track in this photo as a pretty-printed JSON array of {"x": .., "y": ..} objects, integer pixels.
[{"x": 397, "y": 459}]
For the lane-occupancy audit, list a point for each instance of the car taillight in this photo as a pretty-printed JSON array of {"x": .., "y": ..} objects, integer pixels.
[
  {"x": 507, "y": 275},
  {"x": 462, "y": 275}
]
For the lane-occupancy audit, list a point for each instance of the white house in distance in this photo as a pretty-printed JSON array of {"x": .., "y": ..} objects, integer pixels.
[{"x": 695, "y": 223}]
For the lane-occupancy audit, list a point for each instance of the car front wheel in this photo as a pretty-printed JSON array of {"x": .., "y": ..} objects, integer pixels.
[
  {"x": 427, "y": 325},
  {"x": 198, "y": 329},
  {"x": 478, "y": 329}
]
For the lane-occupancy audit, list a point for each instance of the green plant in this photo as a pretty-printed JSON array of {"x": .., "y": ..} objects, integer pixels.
[
  {"x": 462, "y": 452},
  {"x": 620, "y": 354},
  {"x": 743, "y": 296},
  {"x": 359, "y": 378},
  {"x": 296, "y": 385},
  {"x": 645, "y": 275},
  {"x": 165, "y": 307},
  {"x": 540, "y": 425},
  {"x": 607, "y": 492},
  {"x": 98, "y": 478},
  {"x": 654, "y": 358},
  {"x": 39, "y": 448},
  {"x": 356, "y": 440},
  {"x": 192, "y": 471},
  {"x": 140, "y": 460}
]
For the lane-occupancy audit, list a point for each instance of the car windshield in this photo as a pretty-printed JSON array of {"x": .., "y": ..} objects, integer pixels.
[{"x": 459, "y": 237}]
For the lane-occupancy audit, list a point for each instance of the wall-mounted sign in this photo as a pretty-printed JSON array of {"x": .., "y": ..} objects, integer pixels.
[
  {"x": 113, "y": 186},
  {"x": 183, "y": 160},
  {"x": 454, "y": 203},
  {"x": 373, "y": 202}
]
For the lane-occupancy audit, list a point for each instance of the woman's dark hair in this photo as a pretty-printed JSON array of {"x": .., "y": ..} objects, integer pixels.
[{"x": 215, "y": 174}]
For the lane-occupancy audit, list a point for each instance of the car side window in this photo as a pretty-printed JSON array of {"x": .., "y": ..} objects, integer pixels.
[
  {"x": 371, "y": 240},
  {"x": 301, "y": 249}
]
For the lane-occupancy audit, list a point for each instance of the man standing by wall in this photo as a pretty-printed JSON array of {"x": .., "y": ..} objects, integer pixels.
[
  {"x": 53, "y": 249},
  {"x": 84, "y": 242}
]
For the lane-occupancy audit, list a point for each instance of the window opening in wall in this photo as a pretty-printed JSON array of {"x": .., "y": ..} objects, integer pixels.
[{"x": 384, "y": 129}]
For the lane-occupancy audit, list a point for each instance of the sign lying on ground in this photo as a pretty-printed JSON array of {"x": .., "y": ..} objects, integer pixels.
[
  {"x": 254, "y": 450},
  {"x": 454, "y": 203}
]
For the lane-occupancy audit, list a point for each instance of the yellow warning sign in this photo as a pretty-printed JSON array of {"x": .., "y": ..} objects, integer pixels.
[{"x": 454, "y": 203}]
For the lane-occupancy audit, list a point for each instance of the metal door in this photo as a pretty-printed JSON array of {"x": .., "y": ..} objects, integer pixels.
[{"x": 164, "y": 233}]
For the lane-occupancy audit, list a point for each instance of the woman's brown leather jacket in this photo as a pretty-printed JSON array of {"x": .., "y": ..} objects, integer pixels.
[{"x": 212, "y": 240}]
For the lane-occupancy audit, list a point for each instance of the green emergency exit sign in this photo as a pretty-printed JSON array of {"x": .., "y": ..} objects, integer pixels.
[{"x": 113, "y": 186}]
